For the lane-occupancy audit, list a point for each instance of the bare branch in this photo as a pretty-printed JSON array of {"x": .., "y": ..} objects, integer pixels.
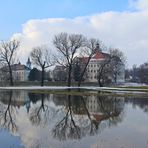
[
  {"x": 68, "y": 46},
  {"x": 42, "y": 58},
  {"x": 7, "y": 54}
]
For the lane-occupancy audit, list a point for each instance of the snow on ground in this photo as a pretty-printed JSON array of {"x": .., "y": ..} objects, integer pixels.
[
  {"x": 134, "y": 84},
  {"x": 108, "y": 89},
  {"x": 35, "y": 87}
]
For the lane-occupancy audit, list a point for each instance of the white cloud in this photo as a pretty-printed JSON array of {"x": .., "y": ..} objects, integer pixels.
[
  {"x": 125, "y": 30},
  {"x": 139, "y": 4}
]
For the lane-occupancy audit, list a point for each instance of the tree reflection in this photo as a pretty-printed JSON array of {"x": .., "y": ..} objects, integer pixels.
[
  {"x": 8, "y": 114},
  {"x": 142, "y": 103},
  {"x": 111, "y": 107},
  {"x": 40, "y": 113},
  {"x": 73, "y": 117},
  {"x": 67, "y": 127},
  {"x": 79, "y": 120}
]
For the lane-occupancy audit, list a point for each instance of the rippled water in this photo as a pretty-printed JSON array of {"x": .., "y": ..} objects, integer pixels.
[{"x": 50, "y": 121}]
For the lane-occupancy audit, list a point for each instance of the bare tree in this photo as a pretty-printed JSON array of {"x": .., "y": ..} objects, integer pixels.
[
  {"x": 117, "y": 63},
  {"x": 103, "y": 71},
  {"x": 68, "y": 47},
  {"x": 110, "y": 67},
  {"x": 7, "y": 55},
  {"x": 41, "y": 57},
  {"x": 91, "y": 47}
]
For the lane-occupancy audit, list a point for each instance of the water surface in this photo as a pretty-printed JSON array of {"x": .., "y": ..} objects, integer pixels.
[{"x": 31, "y": 120}]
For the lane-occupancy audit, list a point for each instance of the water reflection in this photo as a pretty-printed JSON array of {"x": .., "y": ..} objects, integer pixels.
[
  {"x": 8, "y": 113},
  {"x": 138, "y": 102},
  {"x": 80, "y": 115},
  {"x": 87, "y": 115},
  {"x": 65, "y": 117},
  {"x": 41, "y": 112}
]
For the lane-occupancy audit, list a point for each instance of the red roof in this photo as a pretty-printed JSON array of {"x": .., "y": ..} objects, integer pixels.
[
  {"x": 99, "y": 117},
  {"x": 99, "y": 55}
]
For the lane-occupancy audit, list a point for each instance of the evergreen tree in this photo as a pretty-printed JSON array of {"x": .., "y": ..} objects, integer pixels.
[{"x": 34, "y": 74}]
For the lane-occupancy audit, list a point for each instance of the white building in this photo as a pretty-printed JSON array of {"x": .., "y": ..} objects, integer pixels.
[
  {"x": 20, "y": 72},
  {"x": 94, "y": 67}
]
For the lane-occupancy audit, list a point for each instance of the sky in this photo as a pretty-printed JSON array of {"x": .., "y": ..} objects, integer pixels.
[{"x": 117, "y": 23}]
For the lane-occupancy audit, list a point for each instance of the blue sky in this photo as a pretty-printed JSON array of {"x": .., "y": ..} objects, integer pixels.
[{"x": 14, "y": 13}]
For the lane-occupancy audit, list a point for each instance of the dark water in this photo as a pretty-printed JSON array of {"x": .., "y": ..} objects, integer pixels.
[{"x": 50, "y": 121}]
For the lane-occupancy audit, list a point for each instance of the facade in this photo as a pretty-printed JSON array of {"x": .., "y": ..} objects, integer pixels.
[
  {"x": 20, "y": 72},
  {"x": 94, "y": 65}
]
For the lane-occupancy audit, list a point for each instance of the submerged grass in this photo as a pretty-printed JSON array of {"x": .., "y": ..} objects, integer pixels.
[
  {"x": 84, "y": 92},
  {"x": 135, "y": 87},
  {"x": 131, "y": 89}
]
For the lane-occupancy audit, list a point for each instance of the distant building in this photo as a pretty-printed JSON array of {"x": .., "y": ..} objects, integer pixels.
[
  {"x": 20, "y": 72},
  {"x": 94, "y": 66},
  {"x": 92, "y": 71}
]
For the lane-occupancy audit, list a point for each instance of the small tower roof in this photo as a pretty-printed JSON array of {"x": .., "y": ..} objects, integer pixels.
[{"x": 28, "y": 61}]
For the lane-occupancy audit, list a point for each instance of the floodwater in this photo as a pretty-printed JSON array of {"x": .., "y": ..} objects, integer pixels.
[{"x": 33, "y": 120}]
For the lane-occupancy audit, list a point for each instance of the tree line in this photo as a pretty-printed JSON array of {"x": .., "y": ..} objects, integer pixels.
[
  {"x": 137, "y": 74},
  {"x": 69, "y": 47}
]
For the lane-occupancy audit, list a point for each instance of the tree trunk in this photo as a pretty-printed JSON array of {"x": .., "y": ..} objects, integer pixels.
[
  {"x": 99, "y": 81},
  {"x": 100, "y": 75},
  {"x": 69, "y": 75},
  {"x": 115, "y": 78},
  {"x": 10, "y": 75},
  {"x": 101, "y": 72},
  {"x": 42, "y": 102},
  {"x": 83, "y": 72},
  {"x": 42, "y": 76}
]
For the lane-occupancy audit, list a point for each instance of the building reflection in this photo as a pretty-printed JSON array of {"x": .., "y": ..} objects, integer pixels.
[
  {"x": 87, "y": 115},
  {"x": 18, "y": 98}
]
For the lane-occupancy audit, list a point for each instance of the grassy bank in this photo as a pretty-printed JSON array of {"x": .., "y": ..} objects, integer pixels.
[{"x": 36, "y": 83}]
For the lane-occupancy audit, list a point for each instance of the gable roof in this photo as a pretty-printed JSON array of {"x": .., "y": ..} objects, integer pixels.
[
  {"x": 16, "y": 67},
  {"x": 97, "y": 56},
  {"x": 100, "y": 55}
]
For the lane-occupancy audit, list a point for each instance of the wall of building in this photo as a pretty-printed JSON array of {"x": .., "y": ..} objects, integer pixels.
[
  {"x": 21, "y": 75},
  {"x": 93, "y": 69}
]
